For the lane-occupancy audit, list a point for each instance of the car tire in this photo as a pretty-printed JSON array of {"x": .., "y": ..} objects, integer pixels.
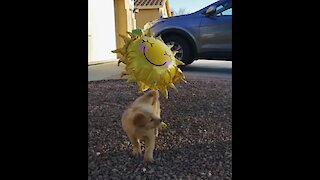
[{"x": 177, "y": 41}]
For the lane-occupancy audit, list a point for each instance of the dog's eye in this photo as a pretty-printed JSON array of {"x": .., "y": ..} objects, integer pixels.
[{"x": 151, "y": 120}]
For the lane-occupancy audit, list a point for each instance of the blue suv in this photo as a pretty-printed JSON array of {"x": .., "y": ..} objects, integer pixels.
[{"x": 204, "y": 34}]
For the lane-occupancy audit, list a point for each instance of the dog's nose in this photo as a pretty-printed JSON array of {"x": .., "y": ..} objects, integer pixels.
[{"x": 157, "y": 121}]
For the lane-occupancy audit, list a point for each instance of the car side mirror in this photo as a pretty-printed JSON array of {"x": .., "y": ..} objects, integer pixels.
[{"x": 210, "y": 10}]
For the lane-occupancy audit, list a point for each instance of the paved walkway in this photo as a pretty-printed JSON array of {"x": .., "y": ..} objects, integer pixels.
[{"x": 105, "y": 70}]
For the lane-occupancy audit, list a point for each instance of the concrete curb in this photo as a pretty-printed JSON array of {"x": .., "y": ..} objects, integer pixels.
[{"x": 102, "y": 62}]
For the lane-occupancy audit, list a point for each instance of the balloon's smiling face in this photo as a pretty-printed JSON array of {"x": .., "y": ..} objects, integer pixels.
[{"x": 156, "y": 52}]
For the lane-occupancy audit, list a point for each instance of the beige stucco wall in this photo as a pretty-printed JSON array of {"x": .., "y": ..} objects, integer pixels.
[
  {"x": 124, "y": 18},
  {"x": 146, "y": 15}
]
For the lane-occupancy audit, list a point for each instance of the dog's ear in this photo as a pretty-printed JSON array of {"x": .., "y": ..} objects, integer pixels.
[
  {"x": 154, "y": 95},
  {"x": 139, "y": 120}
]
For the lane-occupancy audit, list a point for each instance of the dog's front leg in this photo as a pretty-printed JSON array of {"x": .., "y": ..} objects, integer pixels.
[
  {"x": 150, "y": 145},
  {"x": 136, "y": 146}
]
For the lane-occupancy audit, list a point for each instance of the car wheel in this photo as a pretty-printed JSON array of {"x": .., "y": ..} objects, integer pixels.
[{"x": 181, "y": 46}]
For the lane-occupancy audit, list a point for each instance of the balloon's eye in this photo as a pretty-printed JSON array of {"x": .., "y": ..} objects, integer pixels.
[{"x": 143, "y": 41}]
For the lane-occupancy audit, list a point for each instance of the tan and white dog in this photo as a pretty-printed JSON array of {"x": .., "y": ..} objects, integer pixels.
[{"x": 141, "y": 121}]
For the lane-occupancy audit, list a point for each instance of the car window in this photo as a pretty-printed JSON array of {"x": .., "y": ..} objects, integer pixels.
[
  {"x": 218, "y": 9},
  {"x": 226, "y": 12}
]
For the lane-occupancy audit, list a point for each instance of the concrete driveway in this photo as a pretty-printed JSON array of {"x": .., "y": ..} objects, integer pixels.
[
  {"x": 207, "y": 69},
  {"x": 198, "y": 69}
]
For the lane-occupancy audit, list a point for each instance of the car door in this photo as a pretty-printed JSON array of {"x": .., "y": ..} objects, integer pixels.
[{"x": 215, "y": 31}]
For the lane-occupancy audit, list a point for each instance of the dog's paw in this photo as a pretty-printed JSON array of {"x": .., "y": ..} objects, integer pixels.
[
  {"x": 148, "y": 158},
  {"x": 136, "y": 152}
]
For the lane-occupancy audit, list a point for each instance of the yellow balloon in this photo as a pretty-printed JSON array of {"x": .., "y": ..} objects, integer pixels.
[{"x": 150, "y": 62}]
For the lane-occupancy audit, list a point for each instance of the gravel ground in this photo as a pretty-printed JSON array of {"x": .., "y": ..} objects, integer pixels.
[{"x": 196, "y": 145}]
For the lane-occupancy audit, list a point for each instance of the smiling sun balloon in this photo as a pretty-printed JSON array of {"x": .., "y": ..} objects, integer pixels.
[{"x": 149, "y": 62}]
